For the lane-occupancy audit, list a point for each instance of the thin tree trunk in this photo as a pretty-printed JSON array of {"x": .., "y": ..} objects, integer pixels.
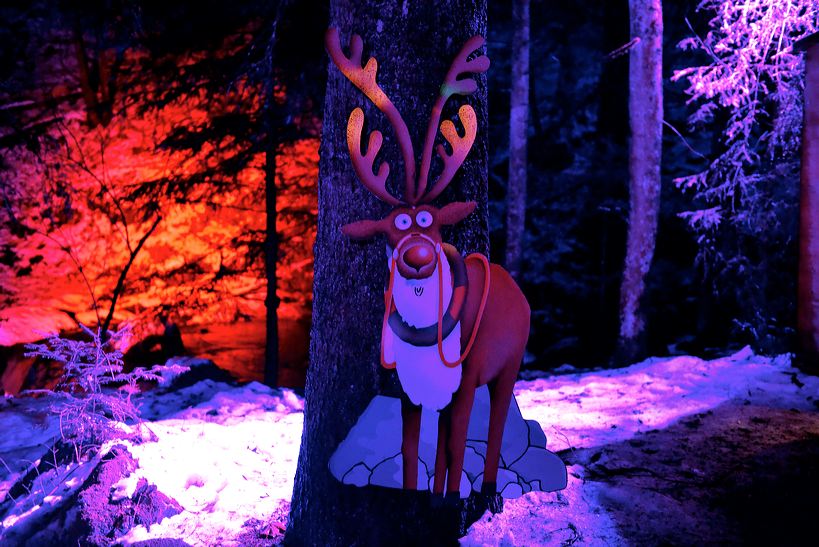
[
  {"x": 414, "y": 43},
  {"x": 88, "y": 91},
  {"x": 808, "y": 291},
  {"x": 271, "y": 259},
  {"x": 273, "y": 132},
  {"x": 518, "y": 126},
  {"x": 120, "y": 287},
  {"x": 645, "y": 151}
]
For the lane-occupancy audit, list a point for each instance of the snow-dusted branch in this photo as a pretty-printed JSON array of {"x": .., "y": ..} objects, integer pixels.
[{"x": 755, "y": 78}]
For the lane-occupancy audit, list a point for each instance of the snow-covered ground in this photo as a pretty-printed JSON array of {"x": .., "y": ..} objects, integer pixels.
[
  {"x": 226, "y": 460},
  {"x": 228, "y": 454},
  {"x": 597, "y": 409}
]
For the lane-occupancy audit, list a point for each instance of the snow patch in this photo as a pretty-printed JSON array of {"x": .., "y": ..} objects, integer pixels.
[
  {"x": 228, "y": 454},
  {"x": 227, "y": 459}
]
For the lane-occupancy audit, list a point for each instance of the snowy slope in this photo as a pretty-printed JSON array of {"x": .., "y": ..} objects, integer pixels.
[{"x": 228, "y": 454}]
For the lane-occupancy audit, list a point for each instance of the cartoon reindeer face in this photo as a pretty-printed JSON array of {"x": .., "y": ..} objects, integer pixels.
[
  {"x": 414, "y": 233},
  {"x": 413, "y": 226}
]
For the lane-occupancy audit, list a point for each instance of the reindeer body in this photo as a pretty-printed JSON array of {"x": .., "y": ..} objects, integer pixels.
[
  {"x": 446, "y": 334},
  {"x": 494, "y": 361},
  {"x": 504, "y": 328}
]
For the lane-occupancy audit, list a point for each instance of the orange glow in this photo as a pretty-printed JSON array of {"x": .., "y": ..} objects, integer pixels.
[{"x": 75, "y": 190}]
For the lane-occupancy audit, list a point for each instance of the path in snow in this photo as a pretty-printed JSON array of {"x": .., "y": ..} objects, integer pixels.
[{"x": 656, "y": 449}]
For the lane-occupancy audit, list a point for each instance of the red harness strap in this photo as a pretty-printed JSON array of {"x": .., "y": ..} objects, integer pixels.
[
  {"x": 484, "y": 298},
  {"x": 456, "y": 303},
  {"x": 387, "y": 310}
]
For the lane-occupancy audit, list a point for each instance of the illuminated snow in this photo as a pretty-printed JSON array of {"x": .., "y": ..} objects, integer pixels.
[
  {"x": 592, "y": 409},
  {"x": 225, "y": 460},
  {"x": 228, "y": 454}
]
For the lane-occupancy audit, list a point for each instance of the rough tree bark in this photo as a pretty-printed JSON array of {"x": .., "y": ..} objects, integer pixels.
[
  {"x": 645, "y": 150},
  {"x": 414, "y": 43},
  {"x": 518, "y": 132},
  {"x": 808, "y": 285}
]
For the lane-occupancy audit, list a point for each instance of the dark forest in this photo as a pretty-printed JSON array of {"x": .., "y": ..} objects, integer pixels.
[{"x": 177, "y": 186}]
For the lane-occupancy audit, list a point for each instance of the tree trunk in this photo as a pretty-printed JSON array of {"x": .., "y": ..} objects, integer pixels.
[
  {"x": 271, "y": 258},
  {"x": 273, "y": 132},
  {"x": 645, "y": 151},
  {"x": 414, "y": 43},
  {"x": 518, "y": 126},
  {"x": 808, "y": 292}
]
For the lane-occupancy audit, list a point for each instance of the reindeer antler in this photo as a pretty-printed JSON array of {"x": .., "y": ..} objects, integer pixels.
[
  {"x": 364, "y": 79},
  {"x": 363, "y": 164},
  {"x": 460, "y": 146}
]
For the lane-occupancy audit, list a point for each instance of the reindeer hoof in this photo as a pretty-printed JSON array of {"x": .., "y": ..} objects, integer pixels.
[
  {"x": 489, "y": 488},
  {"x": 436, "y": 501},
  {"x": 452, "y": 499}
]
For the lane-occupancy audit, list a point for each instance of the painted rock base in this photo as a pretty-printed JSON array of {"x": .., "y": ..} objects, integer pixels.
[{"x": 371, "y": 453}]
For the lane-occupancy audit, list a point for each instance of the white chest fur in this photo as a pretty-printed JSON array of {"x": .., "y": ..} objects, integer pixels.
[
  {"x": 417, "y": 299},
  {"x": 424, "y": 378}
]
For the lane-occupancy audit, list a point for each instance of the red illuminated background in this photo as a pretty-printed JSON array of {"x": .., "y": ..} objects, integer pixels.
[
  {"x": 174, "y": 120},
  {"x": 134, "y": 168}
]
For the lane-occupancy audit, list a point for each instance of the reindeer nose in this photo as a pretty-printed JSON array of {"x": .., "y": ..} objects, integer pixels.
[{"x": 418, "y": 256}]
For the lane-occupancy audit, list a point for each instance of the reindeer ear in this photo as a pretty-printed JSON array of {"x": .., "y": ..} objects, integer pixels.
[
  {"x": 363, "y": 229},
  {"x": 453, "y": 213}
]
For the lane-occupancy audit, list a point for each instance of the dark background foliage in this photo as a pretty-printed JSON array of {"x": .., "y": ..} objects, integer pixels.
[
  {"x": 706, "y": 292},
  {"x": 732, "y": 288}
]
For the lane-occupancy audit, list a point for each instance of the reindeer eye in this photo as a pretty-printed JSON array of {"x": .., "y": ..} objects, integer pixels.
[
  {"x": 403, "y": 221},
  {"x": 424, "y": 219}
]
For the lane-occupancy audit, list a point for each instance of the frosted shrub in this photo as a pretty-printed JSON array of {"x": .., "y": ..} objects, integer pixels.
[{"x": 93, "y": 394}]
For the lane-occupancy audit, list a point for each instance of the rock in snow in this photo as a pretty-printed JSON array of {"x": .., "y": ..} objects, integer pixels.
[{"x": 371, "y": 453}]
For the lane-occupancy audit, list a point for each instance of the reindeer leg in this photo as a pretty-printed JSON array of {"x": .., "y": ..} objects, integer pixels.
[
  {"x": 456, "y": 444},
  {"x": 440, "y": 452},
  {"x": 411, "y": 430},
  {"x": 500, "y": 397}
]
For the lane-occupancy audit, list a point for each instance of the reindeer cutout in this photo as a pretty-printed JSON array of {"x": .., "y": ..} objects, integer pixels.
[{"x": 434, "y": 295}]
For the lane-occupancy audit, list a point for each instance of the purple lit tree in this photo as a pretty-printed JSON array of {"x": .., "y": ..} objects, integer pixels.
[
  {"x": 807, "y": 308},
  {"x": 749, "y": 90}
]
